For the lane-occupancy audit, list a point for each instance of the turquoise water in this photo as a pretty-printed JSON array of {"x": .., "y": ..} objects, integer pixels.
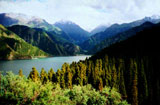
[{"x": 46, "y": 63}]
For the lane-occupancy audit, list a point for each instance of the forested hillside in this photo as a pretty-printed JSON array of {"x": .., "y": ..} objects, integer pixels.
[
  {"x": 47, "y": 41},
  {"x": 138, "y": 60},
  {"x": 113, "y": 30},
  {"x": 120, "y": 37},
  {"x": 13, "y": 47}
]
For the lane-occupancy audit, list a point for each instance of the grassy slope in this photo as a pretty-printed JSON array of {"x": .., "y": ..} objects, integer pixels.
[{"x": 13, "y": 47}]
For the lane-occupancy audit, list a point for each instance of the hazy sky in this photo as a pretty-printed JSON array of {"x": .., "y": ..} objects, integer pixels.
[{"x": 86, "y": 13}]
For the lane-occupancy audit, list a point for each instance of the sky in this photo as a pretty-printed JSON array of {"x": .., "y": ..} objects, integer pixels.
[{"x": 86, "y": 13}]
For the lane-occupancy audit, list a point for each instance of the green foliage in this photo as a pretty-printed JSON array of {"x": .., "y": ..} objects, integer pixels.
[{"x": 22, "y": 91}]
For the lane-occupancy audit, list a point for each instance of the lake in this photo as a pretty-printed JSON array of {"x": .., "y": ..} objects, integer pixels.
[{"x": 46, "y": 63}]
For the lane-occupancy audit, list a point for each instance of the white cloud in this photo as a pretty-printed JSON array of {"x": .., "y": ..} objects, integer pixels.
[{"x": 87, "y": 13}]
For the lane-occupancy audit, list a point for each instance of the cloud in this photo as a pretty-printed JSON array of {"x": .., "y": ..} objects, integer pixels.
[{"x": 87, "y": 13}]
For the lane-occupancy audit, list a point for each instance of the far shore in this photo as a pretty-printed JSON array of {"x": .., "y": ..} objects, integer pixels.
[{"x": 41, "y": 57}]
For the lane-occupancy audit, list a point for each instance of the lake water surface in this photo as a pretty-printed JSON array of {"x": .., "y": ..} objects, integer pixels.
[{"x": 46, "y": 63}]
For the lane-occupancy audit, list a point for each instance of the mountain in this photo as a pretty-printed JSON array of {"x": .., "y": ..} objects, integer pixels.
[
  {"x": 132, "y": 66},
  {"x": 99, "y": 29},
  {"x": 120, "y": 37},
  {"x": 9, "y": 19},
  {"x": 75, "y": 32},
  {"x": 55, "y": 33},
  {"x": 141, "y": 43},
  {"x": 13, "y": 47},
  {"x": 48, "y": 42},
  {"x": 114, "y": 30}
]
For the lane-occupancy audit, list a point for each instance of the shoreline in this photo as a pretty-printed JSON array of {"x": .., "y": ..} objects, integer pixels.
[{"x": 40, "y": 57}]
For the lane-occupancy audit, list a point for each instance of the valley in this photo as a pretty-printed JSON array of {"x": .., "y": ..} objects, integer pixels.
[{"x": 62, "y": 63}]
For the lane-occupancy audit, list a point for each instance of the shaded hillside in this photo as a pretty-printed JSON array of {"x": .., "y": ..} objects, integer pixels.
[
  {"x": 46, "y": 41},
  {"x": 113, "y": 30},
  {"x": 13, "y": 47},
  {"x": 76, "y": 33},
  {"x": 144, "y": 42},
  {"x": 138, "y": 58},
  {"x": 120, "y": 37}
]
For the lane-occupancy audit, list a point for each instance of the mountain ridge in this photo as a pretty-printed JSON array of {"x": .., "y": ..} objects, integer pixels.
[
  {"x": 77, "y": 33},
  {"x": 114, "y": 30},
  {"x": 121, "y": 36}
]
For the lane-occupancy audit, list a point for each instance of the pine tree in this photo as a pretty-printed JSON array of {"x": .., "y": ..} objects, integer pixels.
[
  {"x": 63, "y": 75},
  {"x": 51, "y": 75},
  {"x": 34, "y": 75},
  {"x": 83, "y": 79},
  {"x": 107, "y": 69},
  {"x": 142, "y": 85},
  {"x": 58, "y": 76},
  {"x": 73, "y": 67},
  {"x": 100, "y": 84},
  {"x": 96, "y": 73},
  {"x": 114, "y": 76},
  {"x": 20, "y": 73},
  {"x": 43, "y": 76},
  {"x": 68, "y": 77},
  {"x": 76, "y": 79},
  {"x": 89, "y": 71},
  {"x": 134, "y": 83},
  {"x": 100, "y": 68},
  {"x": 122, "y": 88}
]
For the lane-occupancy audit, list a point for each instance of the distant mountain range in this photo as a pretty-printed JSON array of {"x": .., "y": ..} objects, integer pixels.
[
  {"x": 77, "y": 34},
  {"x": 14, "y": 47},
  {"x": 67, "y": 38},
  {"x": 9, "y": 19},
  {"x": 114, "y": 30},
  {"x": 99, "y": 29},
  {"x": 120, "y": 37}
]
